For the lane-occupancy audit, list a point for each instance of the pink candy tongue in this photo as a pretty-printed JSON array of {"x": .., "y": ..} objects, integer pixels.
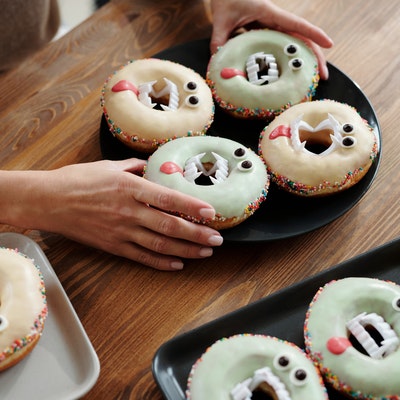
[
  {"x": 228, "y": 73},
  {"x": 125, "y": 85}
]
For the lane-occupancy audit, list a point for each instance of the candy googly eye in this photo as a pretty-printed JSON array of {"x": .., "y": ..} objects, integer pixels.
[
  {"x": 296, "y": 64},
  {"x": 348, "y": 129},
  {"x": 348, "y": 142},
  {"x": 190, "y": 86},
  {"x": 396, "y": 303},
  {"x": 246, "y": 165},
  {"x": 298, "y": 377},
  {"x": 3, "y": 323},
  {"x": 281, "y": 362},
  {"x": 239, "y": 152},
  {"x": 291, "y": 49},
  {"x": 192, "y": 101}
]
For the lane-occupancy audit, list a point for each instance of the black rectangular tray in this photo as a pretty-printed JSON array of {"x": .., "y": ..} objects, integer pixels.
[{"x": 281, "y": 314}]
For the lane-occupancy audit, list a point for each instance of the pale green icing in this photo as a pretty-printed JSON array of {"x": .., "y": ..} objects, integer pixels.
[
  {"x": 337, "y": 304},
  {"x": 292, "y": 86},
  {"x": 229, "y": 198},
  {"x": 230, "y": 361}
]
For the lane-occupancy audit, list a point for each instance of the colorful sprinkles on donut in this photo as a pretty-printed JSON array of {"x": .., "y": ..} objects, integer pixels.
[
  {"x": 318, "y": 148},
  {"x": 352, "y": 332},
  {"x": 246, "y": 365},
  {"x": 261, "y": 73},
  {"x": 222, "y": 172},
  {"x": 148, "y": 102}
]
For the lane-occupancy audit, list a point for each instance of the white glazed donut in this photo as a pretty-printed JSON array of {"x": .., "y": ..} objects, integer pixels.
[
  {"x": 150, "y": 101},
  {"x": 352, "y": 332},
  {"x": 234, "y": 368},
  {"x": 23, "y": 307},
  {"x": 222, "y": 172},
  {"x": 318, "y": 148},
  {"x": 260, "y": 73}
]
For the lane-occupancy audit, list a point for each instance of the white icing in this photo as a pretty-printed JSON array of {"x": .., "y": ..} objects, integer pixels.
[
  {"x": 133, "y": 113},
  {"x": 21, "y": 297},
  {"x": 337, "y": 304},
  {"x": 288, "y": 157}
]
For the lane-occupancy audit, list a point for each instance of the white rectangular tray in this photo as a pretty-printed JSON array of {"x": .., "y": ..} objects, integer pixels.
[{"x": 63, "y": 365}]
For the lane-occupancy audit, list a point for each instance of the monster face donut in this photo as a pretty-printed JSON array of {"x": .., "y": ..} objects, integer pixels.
[
  {"x": 260, "y": 73},
  {"x": 23, "y": 308},
  {"x": 352, "y": 332},
  {"x": 150, "y": 101},
  {"x": 237, "y": 367},
  {"x": 230, "y": 177},
  {"x": 318, "y": 148}
]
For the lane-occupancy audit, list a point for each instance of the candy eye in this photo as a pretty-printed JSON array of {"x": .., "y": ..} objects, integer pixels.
[
  {"x": 348, "y": 142},
  {"x": 347, "y": 128},
  {"x": 291, "y": 49},
  {"x": 395, "y": 304},
  {"x": 281, "y": 362},
  {"x": 239, "y": 152},
  {"x": 296, "y": 64},
  {"x": 298, "y": 377},
  {"x": 192, "y": 101},
  {"x": 3, "y": 323},
  {"x": 190, "y": 86},
  {"x": 246, "y": 165}
]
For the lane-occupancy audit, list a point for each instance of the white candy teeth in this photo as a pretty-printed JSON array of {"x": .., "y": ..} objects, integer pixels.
[
  {"x": 146, "y": 90},
  {"x": 243, "y": 390},
  {"x": 252, "y": 69},
  {"x": 390, "y": 342},
  {"x": 194, "y": 168}
]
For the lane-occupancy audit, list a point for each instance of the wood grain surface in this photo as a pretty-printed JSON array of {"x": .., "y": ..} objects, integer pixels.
[{"x": 50, "y": 116}]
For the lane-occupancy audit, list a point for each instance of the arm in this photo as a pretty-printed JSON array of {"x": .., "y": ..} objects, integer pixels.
[
  {"x": 105, "y": 205},
  {"x": 229, "y": 15}
]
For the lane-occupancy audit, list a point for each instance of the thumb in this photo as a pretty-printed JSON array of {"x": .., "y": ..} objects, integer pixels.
[{"x": 220, "y": 34}]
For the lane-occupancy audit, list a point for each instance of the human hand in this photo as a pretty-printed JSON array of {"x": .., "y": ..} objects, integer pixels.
[
  {"x": 229, "y": 15},
  {"x": 105, "y": 205}
]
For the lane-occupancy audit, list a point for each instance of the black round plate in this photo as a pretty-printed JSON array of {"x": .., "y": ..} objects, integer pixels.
[{"x": 282, "y": 215}]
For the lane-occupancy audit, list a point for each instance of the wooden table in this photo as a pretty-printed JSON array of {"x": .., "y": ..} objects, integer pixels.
[{"x": 50, "y": 116}]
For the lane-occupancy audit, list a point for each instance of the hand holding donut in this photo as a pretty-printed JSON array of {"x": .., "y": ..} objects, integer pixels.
[
  {"x": 229, "y": 15},
  {"x": 105, "y": 205}
]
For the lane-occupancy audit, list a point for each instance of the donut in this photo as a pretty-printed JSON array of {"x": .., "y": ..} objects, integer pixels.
[
  {"x": 23, "y": 307},
  {"x": 260, "y": 73},
  {"x": 150, "y": 101},
  {"x": 318, "y": 148},
  {"x": 222, "y": 172},
  {"x": 239, "y": 366},
  {"x": 352, "y": 331}
]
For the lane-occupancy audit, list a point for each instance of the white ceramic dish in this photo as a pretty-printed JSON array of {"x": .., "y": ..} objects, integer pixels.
[{"x": 63, "y": 365}]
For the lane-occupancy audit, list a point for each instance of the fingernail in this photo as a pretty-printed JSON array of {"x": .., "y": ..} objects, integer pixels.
[
  {"x": 206, "y": 252},
  {"x": 215, "y": 240},
  {"x": 176, "y": 265},
  {"x": 207, "y": 213}
]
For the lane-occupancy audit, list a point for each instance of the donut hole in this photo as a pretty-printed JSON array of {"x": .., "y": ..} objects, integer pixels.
[
  {"x": 316, "y": 142},
  {"x": 159, "y": 101},
  {"x": 205, "y": 180},
  {"x": 374, "y": 334},
  {"x": 264, "y": 392}
]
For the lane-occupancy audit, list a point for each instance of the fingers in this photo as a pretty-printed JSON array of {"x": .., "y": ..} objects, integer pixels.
[{"x": 171, "y": 200}]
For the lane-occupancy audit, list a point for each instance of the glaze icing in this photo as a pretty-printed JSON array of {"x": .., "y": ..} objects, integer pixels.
[
  {"x": 318, "y": 147},
  {"x": 352, "y": 332},
  {"x": 235, "y": 367},
  {"x": 262, "y": 72},
  {"x": 222, "y": 172},
  {"x": 23, "y": 306},
  {"x": 150, "y": 101}
]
